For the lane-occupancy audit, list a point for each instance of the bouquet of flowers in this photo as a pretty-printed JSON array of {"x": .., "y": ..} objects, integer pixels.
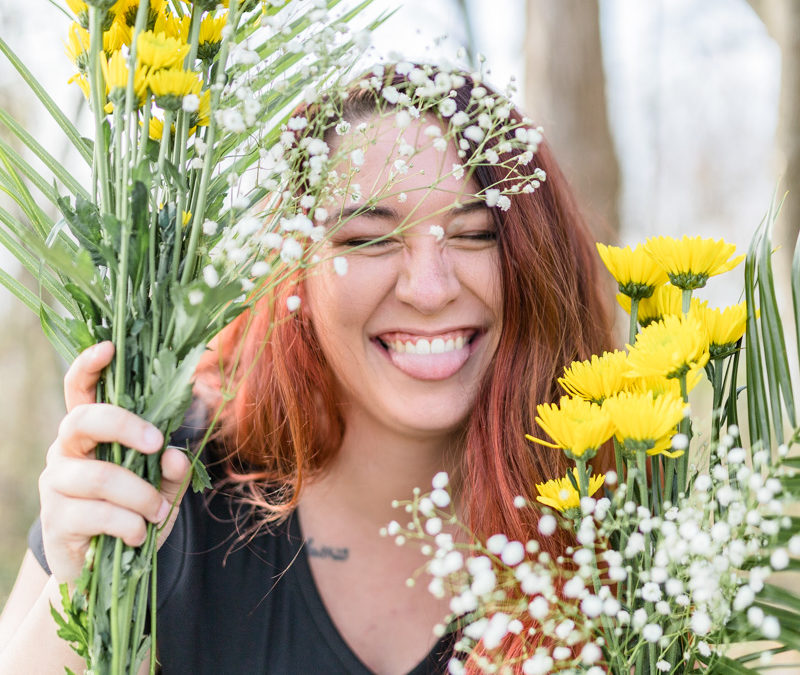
[
  {"x": 219, "y": 150},
  {"x": 675, "y": 551}
]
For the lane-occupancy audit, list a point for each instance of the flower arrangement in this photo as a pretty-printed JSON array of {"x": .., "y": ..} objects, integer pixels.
[
  {"x": 218, "y": 155},
  {"x": 674, "y": 550}
]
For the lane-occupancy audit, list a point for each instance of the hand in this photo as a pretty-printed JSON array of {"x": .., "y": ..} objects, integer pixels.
[{"x": 82, "y": 496}]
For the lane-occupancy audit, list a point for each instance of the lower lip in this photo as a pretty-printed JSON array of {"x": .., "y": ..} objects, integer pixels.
[{"x": 430, "y": 367}]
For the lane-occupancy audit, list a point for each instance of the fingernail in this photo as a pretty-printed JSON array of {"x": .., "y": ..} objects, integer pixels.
[
  {"x": 163, "y": 511},
  {"x": 152, "y": 437}
]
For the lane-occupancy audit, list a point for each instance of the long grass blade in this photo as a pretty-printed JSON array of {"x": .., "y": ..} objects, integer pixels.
[
  {"x": 61, "y": 119},
  {"x": 47, "y": 159},
  {"x": 796, "y": 294},
  {"x": 780, "y": 384},
  {"x": 30, "y": 173},
  {"x": 757, "y": 408}
]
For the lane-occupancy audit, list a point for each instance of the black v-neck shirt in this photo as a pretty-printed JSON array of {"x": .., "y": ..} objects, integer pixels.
[{"x": 231, "y": 606}]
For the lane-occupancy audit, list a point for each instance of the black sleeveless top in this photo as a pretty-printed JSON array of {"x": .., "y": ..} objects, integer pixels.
[{"x": 227, "y": 606}]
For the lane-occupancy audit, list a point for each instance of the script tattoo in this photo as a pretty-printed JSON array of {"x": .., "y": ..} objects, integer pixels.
[{"x": 340, "y": 553}]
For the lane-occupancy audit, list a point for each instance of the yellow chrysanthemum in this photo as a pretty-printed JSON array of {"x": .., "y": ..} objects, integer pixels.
[
  {"x": 635, "y": 271},
  {"x": 211, "y": 36},
  {"x": 667, "y": 300},
  {"x": 160, "y": 51},
  {"x": 115, "y": 72},
  {"x": 156, "y": 128},
  {"x": 561, "y": 494},
  {"x": 670, "y": 347},
  {"x": 577, "y": 426},
  {"x": 643, "y": 421},
  {"x": 170, "y": 85},
  {"x": 81, "y": 11},
  {"x": 117, "y": 35},
  {"x": 82, "y": 82},
  {"x": 597, "y": 378},
  {"x": 659, "y": 384},
  {"x": 690, "y": 261},
  {"x": 128, "y": 8},
  {"x": 724, "y": 328},
  {"x": 201, "y": 116},
  {"x": 172, "y": 26},
  {"x": 78, "y": 46}
]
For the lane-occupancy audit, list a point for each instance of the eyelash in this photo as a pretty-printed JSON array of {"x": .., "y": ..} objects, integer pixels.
[{"x": 363, "y": 242}]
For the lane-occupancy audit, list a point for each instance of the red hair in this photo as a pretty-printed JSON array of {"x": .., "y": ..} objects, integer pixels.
[{"x": 284, "y": 424}]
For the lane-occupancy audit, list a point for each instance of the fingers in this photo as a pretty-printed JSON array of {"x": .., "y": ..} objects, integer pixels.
[
  {"x": 77, "y": 520},
  {"x": 80, "y": 382},
  {"x": 174, "y": 467},
  {"x": 87, "y": 425},
  {"x": 103, "y": 481}
]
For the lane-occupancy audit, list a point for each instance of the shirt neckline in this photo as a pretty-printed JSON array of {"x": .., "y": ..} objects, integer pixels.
[{"x": 310, "y": 592}]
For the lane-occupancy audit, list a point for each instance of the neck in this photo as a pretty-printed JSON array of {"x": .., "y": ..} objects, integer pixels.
[{"x": 375, "y": 466}]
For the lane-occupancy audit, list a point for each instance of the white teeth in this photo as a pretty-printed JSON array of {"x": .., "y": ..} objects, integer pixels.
[{"x": 425, "y": 346}]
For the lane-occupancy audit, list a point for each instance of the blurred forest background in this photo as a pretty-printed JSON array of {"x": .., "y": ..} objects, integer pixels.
[{"x": 668, "y": 116}]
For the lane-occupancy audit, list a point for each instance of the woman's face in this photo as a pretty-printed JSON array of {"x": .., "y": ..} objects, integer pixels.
[{"x": 411, "y": 328}]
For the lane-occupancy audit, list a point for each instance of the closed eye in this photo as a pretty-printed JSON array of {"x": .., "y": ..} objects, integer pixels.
[{"x": 486, "y": 235}]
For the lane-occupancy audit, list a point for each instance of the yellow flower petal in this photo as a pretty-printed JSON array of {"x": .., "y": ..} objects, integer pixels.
[
  {"x": 597, "y": 378},
  {"x": 724, "y": 328},
  {"x": 643, "y": 418},
  {"x": 575, "y": 425},
  {"x": 690, "y": 261},
  {"x": 670, "y": 347},
  {"x": 635, "y": 271},
  {"x": 560, "y": 493},
  {"x": 667, "y": 300},
  {"x": 159, "y": 51}
]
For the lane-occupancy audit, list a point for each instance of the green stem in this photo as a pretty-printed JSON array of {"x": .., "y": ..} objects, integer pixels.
[
  {"x": 116, "y": 650},
  {"x": 197, "y": 217},
  {"x": 716, "y": 414},
  {"x": 641, "y": 477},
  {"x": 153, "y": 596},
  {"x": 686, "y": 300},
  {"x": 685, "y": 428},
  {"x": 98, "y": 94},
  {"x": 121, "y": 203},
  {"x": 583, "y": 478},
  {"x": 131, "y": 100},
  {"x": 634, "y": 320}
]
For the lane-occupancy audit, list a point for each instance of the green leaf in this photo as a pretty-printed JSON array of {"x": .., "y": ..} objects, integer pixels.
[
  {"x": 58, "y": 336},
  {"x": 171, "y": 385}
]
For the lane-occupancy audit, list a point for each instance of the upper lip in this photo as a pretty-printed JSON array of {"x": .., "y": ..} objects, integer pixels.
[{"x": 429, "y": 332}]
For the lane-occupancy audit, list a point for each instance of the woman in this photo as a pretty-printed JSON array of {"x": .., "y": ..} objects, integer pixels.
[{"x": 452, "y": 322}]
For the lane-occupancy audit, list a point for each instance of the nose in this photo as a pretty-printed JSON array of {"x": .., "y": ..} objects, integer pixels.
[{"x": 428, "y": 279}]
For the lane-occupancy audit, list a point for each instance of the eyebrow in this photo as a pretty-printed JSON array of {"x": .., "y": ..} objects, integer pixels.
[{"x": 386, "y": 212}]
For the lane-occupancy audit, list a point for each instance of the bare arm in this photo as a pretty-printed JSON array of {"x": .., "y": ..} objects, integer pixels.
[{"x": 28, "y": 640}]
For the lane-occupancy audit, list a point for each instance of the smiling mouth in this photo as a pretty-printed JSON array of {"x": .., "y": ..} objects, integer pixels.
[{"x": 429, "y": 357}]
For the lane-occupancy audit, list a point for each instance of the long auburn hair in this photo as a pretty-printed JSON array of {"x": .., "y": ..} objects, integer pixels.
[{"x": 284, "y": 425}]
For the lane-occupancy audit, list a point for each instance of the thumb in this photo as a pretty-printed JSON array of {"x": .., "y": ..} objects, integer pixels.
[{"x": 175, "y": 467}]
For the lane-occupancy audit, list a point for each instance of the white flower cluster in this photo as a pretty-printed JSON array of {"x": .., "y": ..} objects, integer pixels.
[{"x": 676, "y": 578}]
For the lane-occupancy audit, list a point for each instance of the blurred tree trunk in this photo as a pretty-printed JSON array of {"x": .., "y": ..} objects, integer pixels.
[
  {"x": 565, "y": 93},
  {"x": 782, "y": 20}
]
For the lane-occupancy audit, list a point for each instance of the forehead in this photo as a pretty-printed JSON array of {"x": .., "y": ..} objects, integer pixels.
[{"x": 388, "y": 161}]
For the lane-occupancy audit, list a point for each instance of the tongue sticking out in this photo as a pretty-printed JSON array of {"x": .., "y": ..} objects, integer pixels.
[{"x": 430, "y": 366}]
